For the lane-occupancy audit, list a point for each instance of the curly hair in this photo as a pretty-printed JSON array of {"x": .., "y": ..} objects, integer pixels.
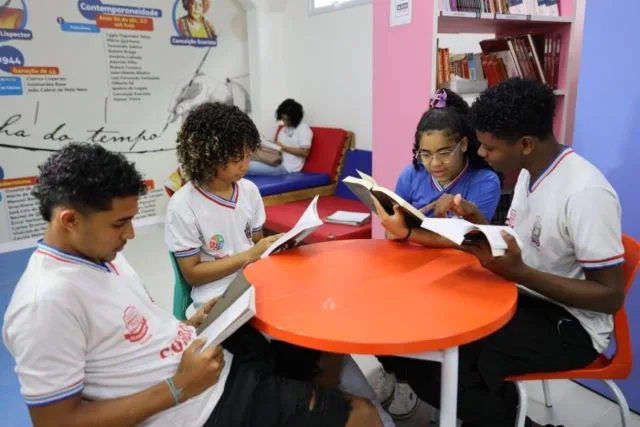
[
  {"x": 205, "y": 5},
  {"x": 515, "y": 108},
  {"x": 212, "y": 135},
  {"x": 292, "y": 109},
  {"x": 454, "y": 121},
  {"x": 85, "y": 177}
]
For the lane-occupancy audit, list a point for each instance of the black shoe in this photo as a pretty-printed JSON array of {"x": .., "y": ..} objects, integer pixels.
[{"x": 529, "y": 423}]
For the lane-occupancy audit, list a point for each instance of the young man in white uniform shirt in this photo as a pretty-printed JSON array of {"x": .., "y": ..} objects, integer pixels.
[
  {"x": 92, "y": 348},
  {"x": 569, "y": 268}
]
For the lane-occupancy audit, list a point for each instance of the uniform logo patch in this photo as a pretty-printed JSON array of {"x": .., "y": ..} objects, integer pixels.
[
  {"x": 216, "y": 243},
  {"x": 248, "y": 231},
  {"x": 136, "y": 324},
  {"x": 536, "y": 231}
]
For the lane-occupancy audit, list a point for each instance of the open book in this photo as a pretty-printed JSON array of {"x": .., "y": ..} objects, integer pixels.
[
  {"x": 364, "y": 186},
  {"x": 458, "y": 230},
  {"x": 307, "y": 224},
  {"x": 234, "y": 308}
]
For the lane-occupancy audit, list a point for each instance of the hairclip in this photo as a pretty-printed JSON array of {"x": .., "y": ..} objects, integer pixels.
[{"x": 438, "y": 99}]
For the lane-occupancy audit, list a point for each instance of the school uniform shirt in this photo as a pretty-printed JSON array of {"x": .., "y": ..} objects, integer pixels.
[
  {"x": 75, "y": 327},
  {"x": 200, "y": 222},
  {"x": 298, "y": 137},
  {"x": 480, "y": 186},
  {"x": 569, "y": 221}
]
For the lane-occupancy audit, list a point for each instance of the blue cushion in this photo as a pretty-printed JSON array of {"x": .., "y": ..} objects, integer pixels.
[
  {"x": 269, "y": 185},
  {"x": 356, "y": 159}
]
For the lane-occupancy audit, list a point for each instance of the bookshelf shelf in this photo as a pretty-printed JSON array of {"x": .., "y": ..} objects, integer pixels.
[{"x": 491, "y": 23}]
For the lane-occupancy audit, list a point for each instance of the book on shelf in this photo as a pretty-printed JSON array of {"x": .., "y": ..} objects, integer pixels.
[
  {"x": 348, "y": 218},
  {"x": 530, "y": 56},
  {"x": 505, "y": 7},
  {"x": 234, "y": 308},
  {"x": 365, "y": 186},
  {"x": 307, "y": 224},
  {"x": 443, "y": 66},
  {"x": 460, "y": 231},
  {"x": 467, "y": 66}
]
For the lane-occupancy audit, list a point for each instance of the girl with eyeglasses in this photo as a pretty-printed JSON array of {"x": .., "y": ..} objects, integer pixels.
[
  {"x": 446, "y": 160},
  {"x": 445, "y": 164}
]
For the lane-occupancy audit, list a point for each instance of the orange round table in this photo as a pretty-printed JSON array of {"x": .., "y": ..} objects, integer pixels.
[{"x": 383, "y": 298}]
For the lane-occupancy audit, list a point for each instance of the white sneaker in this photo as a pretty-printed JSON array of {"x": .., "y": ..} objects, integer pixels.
[
  {"x": 404, "y": 403},
  {"x": 384, "y": 385}
]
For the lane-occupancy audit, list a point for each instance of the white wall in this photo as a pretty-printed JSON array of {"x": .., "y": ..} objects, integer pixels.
[{"x": 323, "y": 61}]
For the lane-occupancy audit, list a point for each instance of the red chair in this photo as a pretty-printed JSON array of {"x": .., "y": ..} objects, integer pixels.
[{"x": 617, "y": 367}]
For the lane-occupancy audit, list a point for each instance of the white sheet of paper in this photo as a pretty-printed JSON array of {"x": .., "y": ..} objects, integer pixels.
[
  {"x": 453, "y": 229},
  {"x": 494, "y": 236},
  {"x": 367, "y": 178}
]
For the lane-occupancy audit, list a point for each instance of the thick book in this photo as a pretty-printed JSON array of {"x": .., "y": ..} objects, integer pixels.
[
  {"x": 307, "y": 224},
  {"x": 365, "y": 186},
  {"x": 459, "y": 230},
  {"x": 348, "y": 218},
  {"x": 234, "y": 308}
]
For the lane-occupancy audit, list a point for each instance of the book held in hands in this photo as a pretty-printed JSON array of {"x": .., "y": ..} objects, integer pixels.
[
  {"x": 307, "y": 224},
  {"x": 459, "y": 231},
  {"x": 365, "y": 186},
  {"x": 234, "y": 308}
]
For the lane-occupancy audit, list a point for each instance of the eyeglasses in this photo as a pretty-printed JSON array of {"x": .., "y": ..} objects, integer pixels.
[{"x": 443, "y": 156}]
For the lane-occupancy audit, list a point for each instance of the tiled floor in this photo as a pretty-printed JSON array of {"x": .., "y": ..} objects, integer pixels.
[{"x": 574, "y": 406}]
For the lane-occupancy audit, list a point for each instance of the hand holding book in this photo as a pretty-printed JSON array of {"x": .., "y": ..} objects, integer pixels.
[
  {"x": 510, "y": 265},
  {"x": 197, "y": 319},
  {"x": 394, "y": 224},
  {"x": 307, "y": 224}
]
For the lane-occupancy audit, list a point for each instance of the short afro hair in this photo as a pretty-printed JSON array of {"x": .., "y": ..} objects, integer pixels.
[
  {"x": 515, "y": 108},
  {"x": 292, "y": 109},
  {"x": 85, "y": 177},
  {"x": 213, "y": 135}
]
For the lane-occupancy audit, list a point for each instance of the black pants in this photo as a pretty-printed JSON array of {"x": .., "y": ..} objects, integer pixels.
[
  {"x": 297, "y": 363},
  {"x": 541, "y": 337},
  {"x": 254, "y": 396}
]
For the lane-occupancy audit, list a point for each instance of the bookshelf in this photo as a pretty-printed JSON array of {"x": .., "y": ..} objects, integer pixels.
[
  {"x": 404, "y": 70},
  {"x": 501, "y": 25}
]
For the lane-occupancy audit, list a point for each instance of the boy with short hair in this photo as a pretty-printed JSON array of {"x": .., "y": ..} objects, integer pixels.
[
  {"x": 568, "y": 270},
  {"x": 92, "y": 348}
]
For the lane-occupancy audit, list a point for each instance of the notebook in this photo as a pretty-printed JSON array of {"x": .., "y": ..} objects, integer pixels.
[{"x": 348, "y": 218}]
